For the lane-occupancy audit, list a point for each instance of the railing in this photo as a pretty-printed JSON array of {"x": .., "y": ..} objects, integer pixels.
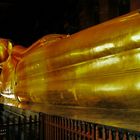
[
  {"x": 20, "y": 128},
  {"x": 60, "y": 128},
  {"x": 50, "y": 127}
]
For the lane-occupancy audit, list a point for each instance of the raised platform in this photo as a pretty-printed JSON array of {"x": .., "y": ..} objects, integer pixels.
[{"x": 121, "y": 118}]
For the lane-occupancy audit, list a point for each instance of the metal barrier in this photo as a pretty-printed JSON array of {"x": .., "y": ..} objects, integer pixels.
[
  {"x": 60, "y": 128},
  {"x": 50, "y": 127},
  {"x": 20, "y": 128}
]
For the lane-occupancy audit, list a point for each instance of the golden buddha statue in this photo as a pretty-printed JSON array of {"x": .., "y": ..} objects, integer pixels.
[{"x": 98, "y": 66}]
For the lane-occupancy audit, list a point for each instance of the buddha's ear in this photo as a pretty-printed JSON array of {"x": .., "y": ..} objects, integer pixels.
[
  {"x": 10, "y": 46},
  {"x": 5, "y": 49}
]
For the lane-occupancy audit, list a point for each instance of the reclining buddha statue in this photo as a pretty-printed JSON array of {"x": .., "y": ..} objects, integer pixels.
[{"x": 98, "y": 66}]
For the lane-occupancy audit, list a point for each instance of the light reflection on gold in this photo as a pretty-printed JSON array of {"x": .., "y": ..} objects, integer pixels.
[
  {"x": 110, "y": 88},
  {"x": 136, "y": 37},
  {"x": 137, "y": 85},
  {"x": 107, "y": 61},
  {"x": 11, "y": 96},
  {"x": 129, "y": 17},
  {"x": 103, "y": 47}
]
